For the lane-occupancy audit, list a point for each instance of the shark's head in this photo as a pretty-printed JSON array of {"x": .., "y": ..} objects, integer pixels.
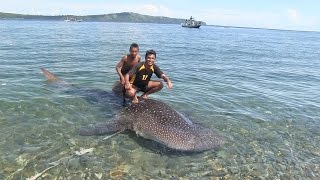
[{"x": 155, "y": 120}]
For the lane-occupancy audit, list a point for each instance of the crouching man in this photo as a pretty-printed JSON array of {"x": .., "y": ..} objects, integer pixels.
[{"x": 138, "y": 78}]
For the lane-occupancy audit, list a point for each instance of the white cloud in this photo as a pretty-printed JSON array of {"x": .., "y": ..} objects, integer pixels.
[
  {"x": 293, "y": 15},
  {"x": 296, "y": 19},
  {"x": 155, "y": 10},
  {"x": 106, "y": 8},
  {"x": 151, "y": 8}
]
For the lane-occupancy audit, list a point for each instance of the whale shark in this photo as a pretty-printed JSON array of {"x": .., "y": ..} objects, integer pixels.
[{"x": 157, "y": 121}]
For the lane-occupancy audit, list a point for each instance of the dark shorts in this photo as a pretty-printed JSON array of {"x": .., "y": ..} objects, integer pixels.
[{"x": 141, "y": 88}]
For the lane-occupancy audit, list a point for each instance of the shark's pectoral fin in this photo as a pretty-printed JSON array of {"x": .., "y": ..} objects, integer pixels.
[{"x": 101, "y": 128}]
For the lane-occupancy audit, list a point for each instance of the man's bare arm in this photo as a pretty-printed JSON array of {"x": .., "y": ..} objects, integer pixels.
[
  {"x": 167, "y": 80},
  {"x": 127, "y": 82},
  {"x": 118, "y": 69}
]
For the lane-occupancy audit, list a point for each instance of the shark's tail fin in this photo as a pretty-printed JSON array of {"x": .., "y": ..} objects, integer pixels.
[{"x": 50, "y": 76}]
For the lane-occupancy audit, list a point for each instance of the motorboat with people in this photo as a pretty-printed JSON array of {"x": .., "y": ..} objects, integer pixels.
[{"x": 191, "y": 23}]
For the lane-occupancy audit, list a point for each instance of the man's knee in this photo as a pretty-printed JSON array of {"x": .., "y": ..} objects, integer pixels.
[
  {"x": 131, "y": 92},
  {"x": 160, "y": 85}
]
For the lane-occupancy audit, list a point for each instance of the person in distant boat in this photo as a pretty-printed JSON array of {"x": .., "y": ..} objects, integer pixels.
[
  {"x": 138, "y": 78},
  {"x": 125, "y": 64}
]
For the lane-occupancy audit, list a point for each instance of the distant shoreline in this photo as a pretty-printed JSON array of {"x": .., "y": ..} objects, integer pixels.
[
  {"x": 219, "y": 26},
  {"x": 128, "y": 17},
  {"x": 115, "y": 17}
]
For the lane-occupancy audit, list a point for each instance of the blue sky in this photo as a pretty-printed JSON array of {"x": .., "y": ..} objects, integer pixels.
[{"x": 278, "y": 14}]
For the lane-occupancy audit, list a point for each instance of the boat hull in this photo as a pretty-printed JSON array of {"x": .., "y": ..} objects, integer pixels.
[{"x": 191, "y": 26}]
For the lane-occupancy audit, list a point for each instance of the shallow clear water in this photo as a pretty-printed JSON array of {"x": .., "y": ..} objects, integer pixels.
[{"x": 259, "y": 88}]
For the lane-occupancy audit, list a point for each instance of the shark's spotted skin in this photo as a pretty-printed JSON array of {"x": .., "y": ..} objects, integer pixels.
[
  {"x": 150, "y": 119},
  {"x": 157, "y": 121}
]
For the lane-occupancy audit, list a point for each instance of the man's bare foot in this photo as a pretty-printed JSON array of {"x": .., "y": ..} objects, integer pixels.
[
  {"x": 135, "y": 100},
  {"x": 144, "y": 96}
]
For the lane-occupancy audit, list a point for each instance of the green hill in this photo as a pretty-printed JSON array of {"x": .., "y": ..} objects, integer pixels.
[{"x": 116, "y": 17}]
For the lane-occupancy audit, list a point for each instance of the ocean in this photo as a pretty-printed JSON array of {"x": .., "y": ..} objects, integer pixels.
[{"x": 258, "y": 88}]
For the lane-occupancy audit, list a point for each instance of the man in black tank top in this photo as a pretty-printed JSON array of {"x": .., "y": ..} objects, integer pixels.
[{"x": 139, "y": 78}]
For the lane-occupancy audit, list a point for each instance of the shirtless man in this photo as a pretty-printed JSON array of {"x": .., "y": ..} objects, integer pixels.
[
  {"x": 125, "y": 64},
  {"x": 139, "y": 78},
  {"x": 128, "y": 61}
]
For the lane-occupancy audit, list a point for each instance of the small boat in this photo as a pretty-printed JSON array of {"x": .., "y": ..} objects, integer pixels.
[
  {"x": 191, "y": 23},
  {"x": 73, "y": 20}
]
